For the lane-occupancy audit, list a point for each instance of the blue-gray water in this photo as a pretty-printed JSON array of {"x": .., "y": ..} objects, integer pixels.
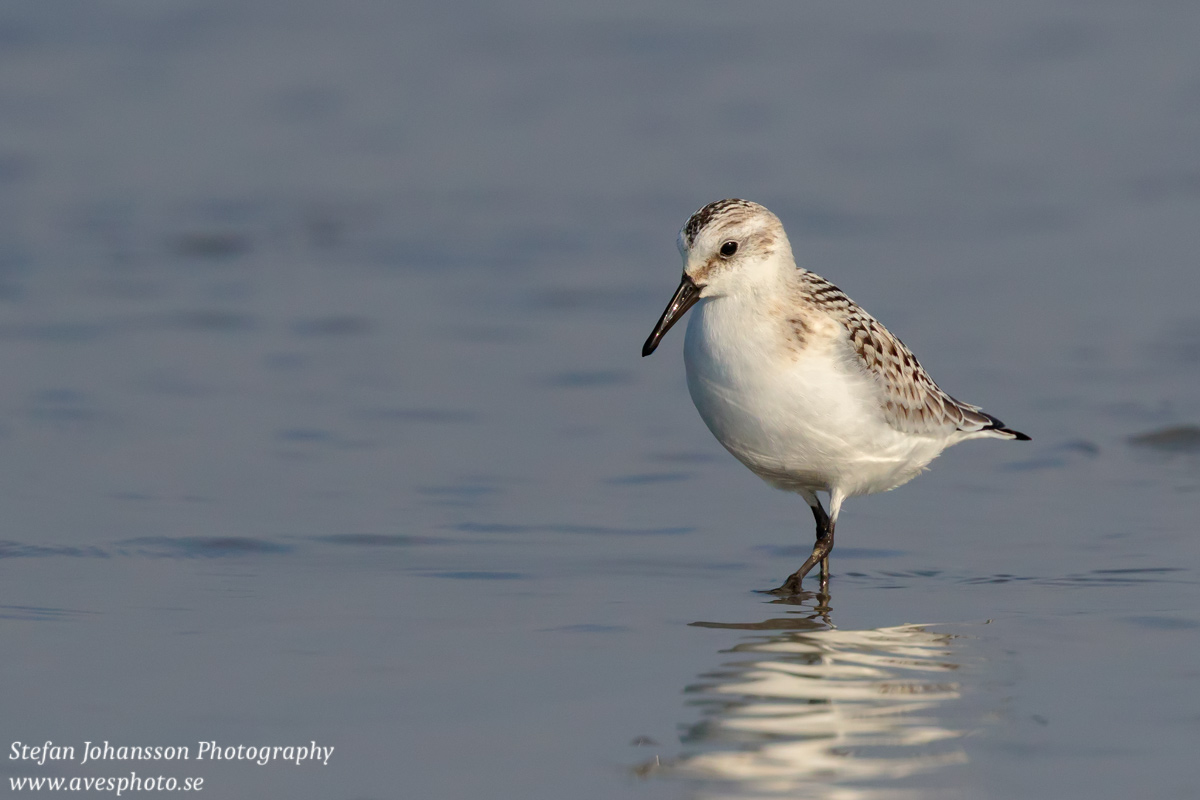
[{"x": 323, "y": 418}]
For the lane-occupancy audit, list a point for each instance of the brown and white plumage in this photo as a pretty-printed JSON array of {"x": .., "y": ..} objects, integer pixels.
[
  {"x": 797, "y": 381},
  {"x": 911, "y": 401}
]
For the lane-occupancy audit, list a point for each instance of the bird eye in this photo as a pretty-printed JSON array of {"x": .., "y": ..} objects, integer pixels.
[{"x": 728, "y": 249}]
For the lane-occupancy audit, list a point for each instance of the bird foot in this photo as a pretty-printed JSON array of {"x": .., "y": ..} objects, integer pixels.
[
  {"x": 790, "y": 587},
  {"x": 793, "y": 585}
]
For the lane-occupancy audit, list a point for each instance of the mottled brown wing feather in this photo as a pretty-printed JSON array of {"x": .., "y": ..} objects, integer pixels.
[{"x": 911, "y": 401}]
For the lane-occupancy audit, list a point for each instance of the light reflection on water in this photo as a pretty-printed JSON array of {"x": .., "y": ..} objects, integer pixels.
[{"x": 808, "y": 710}]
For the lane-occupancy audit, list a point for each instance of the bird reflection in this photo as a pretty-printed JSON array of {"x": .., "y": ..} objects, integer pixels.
[{"x": 806, "y": 710}]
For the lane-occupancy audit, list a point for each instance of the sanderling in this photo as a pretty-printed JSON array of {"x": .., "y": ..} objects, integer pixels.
[{"x": 795, "y": 380}]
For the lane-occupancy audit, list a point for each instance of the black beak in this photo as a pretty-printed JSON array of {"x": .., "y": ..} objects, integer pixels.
[{"x": 685, "y": 297}]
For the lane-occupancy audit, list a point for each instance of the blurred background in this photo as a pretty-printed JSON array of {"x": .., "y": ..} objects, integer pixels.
[{"x": 323, "y": 418}]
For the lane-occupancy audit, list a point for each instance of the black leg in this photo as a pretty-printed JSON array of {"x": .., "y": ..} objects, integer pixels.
[
  {"x": 822, "y": 520},
  {"x": 820, "y": 555}
]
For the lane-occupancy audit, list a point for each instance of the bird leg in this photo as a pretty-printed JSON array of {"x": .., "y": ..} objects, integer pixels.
[
  {"x": 824, "y": 526},
  {"x": 820, "y": 555}
]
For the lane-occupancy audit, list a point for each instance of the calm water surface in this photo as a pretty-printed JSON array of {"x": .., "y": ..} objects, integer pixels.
[{"x": 323, "y": 418}]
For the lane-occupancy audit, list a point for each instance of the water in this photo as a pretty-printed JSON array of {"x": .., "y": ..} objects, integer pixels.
[{"x": 323, "y": 417}]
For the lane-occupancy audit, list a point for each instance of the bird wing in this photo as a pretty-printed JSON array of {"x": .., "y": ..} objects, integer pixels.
[{"x": 910, "y": 400}]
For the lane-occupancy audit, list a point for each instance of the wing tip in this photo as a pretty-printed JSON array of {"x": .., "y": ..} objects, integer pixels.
[
  {"x": 996, "y": 426},
  {"x": 1016, "y": 435}
]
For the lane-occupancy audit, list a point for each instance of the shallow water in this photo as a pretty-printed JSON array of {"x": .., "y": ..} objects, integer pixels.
[{"x": 323, "y": 417}]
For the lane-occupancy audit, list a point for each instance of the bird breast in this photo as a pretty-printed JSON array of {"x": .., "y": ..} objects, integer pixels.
[{"x": 780, "y": 390}]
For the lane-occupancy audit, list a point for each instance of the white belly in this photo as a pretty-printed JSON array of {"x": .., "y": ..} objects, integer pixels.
[{"x": 803, "y": 419}]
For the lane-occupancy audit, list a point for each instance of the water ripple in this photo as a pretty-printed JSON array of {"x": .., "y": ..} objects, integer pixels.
[
  {"x": 10, "y": 549},
  {"x": 200, "y": 547},
  {"x": 40, "y": 613},
  {"x": 587, "y": 530},
  {"x": 375, "y": 540}
]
